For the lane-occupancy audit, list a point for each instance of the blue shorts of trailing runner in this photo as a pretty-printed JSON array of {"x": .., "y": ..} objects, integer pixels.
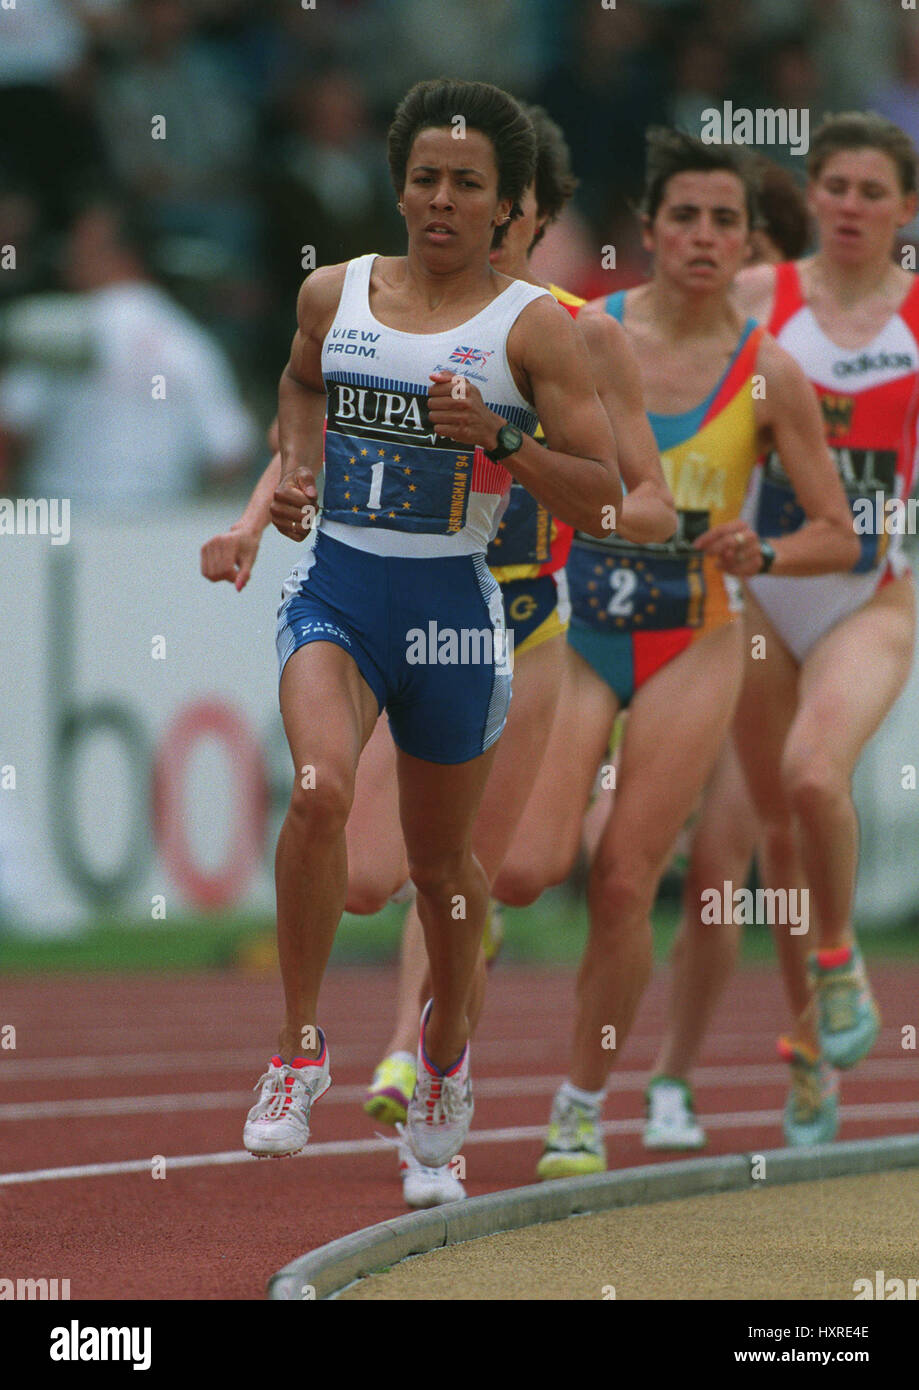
[{"x": 535, "y": 610}]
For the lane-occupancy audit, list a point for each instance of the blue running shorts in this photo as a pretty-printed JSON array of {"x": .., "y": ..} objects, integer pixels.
[{"x": 428, "y": 637}]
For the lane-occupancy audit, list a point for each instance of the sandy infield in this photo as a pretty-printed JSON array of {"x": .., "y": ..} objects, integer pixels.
[{"x": 808, "y": 1240}]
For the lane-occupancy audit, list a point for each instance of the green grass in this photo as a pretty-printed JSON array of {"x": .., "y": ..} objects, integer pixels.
[
  {"x": 187, "y": 944},
  {"x": 555, "y": 930},
  {"x": 552, "y": 931}
]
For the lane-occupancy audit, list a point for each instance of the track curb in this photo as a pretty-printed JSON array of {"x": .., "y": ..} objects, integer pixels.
[{"x": 323, "y": 1273}]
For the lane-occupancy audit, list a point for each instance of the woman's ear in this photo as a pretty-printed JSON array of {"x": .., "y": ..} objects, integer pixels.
[
  {"x": 503, "y": 211},
  {"x": 910, "y": 201}
]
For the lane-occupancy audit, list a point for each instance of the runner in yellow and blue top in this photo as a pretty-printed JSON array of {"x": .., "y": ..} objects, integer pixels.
[
  {"x": 636, "y": 607},
  {"x": 716, "y": 389},
  {"x": 394, "y": 606},
  {"x": 718, "y": 843}
]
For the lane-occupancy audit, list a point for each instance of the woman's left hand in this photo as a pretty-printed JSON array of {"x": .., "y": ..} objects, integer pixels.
[
  {"x": 456, "y": 411},
  {"x": 735, "y": 546}
]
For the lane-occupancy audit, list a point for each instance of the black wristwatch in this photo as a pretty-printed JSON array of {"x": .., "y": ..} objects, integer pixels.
[
  {"x": 768, "y": 554},
  {"x": 509, "y": 441}
]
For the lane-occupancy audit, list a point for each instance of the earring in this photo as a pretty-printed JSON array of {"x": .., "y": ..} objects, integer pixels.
[{"x": 401, "y": 207}]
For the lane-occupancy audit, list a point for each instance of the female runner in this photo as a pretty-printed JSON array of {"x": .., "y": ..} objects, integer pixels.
[{"x": 655, "y": 627}]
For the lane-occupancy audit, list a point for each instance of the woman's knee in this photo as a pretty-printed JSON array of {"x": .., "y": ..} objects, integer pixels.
[
  {"x": 621, "y": 892},
  {"x": 320, "y": 802},
  {"x": 443, "y": 875},
  {"x": 368, "y": 894},
  {"x": 814, "y": 784},
  {"x": 521, "y": 880}
]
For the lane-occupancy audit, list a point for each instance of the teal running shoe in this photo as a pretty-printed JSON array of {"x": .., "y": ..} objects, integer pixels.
[
  {"x": 812, "y": 1109},
  {"x": 848, "y": 1021}
]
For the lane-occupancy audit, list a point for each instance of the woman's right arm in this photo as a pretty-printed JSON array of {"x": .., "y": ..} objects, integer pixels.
[{"x": 647, "y": 513}]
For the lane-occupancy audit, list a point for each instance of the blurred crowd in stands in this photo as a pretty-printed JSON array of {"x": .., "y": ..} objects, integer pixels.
[{"x": 164, "y": 163}]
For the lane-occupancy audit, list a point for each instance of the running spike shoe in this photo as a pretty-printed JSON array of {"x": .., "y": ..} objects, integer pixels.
[
  {"x": 670, "y": 1121},
  {"x": 812, "y": 1109},
  {"x": 574, "y": 1144},
  {"x": 848, "y": 1021},
  {"x": 279, "y": 1123},
  {"x": 440, "y": 1111},
  {"x": 423, "y": 1186},
  {"x": 391, "y": 1089}
]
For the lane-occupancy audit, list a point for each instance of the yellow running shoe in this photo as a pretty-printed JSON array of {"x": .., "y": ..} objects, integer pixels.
[
  {"x": 391, "y": 1089},
  {"x": 574, "y": 1144}
]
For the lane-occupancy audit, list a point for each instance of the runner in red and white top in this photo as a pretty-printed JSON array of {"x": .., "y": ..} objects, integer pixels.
[
  {"x": 837, "y": 648},
  {"x": 870, "y": 402}
]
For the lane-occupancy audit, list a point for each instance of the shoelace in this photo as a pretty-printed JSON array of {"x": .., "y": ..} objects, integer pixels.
[
  {"x": 452, "y": 1098},
  {"x": 443, "y": 1097},
  {"x": 399, "y": 1144},
  {"x": 570, "y": 1119},
  {"x": 282, "y": 1094},
  {"x": 434, "y": 1090},
  {"x": 807, "y": 1091}
]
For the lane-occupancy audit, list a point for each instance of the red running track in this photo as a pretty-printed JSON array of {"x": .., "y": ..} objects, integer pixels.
[{"x": 111, "y": 1069}]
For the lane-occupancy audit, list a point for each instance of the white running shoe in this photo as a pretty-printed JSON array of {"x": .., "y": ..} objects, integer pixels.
[
  {"x": 440, "y": 1110},
  {"x": 671, "y": 1122},
  {"x": 423, "y": 1186},
  {"x": 279, "y": 1122}
]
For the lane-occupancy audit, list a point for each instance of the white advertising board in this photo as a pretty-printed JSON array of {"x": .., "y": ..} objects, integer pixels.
[{"x": 143, "y": 767}]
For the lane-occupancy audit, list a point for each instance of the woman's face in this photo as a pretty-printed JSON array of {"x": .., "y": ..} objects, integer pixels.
[
  {"x": 700, "y": 235},
  {"x": 858, "y": 205},
  {"x": 450, "y": 199}
]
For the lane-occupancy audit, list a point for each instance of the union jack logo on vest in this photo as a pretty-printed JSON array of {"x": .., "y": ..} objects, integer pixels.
[{"x": 462, "y": 355}]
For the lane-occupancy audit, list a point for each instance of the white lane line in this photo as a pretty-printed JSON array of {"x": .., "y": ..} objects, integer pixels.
[
  {"x": 749, "y": 1119},
  {"x": 124, "y": 1105},
  {"x": 123, "y": 1064},
  {"x": 498, "y": 1050},
  {"x": 486, "y": 1088},
  {"x": 144, "y": 1165}
]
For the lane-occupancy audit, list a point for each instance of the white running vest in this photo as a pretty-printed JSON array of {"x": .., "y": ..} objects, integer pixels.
[{"x": 391, "y": 485}]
